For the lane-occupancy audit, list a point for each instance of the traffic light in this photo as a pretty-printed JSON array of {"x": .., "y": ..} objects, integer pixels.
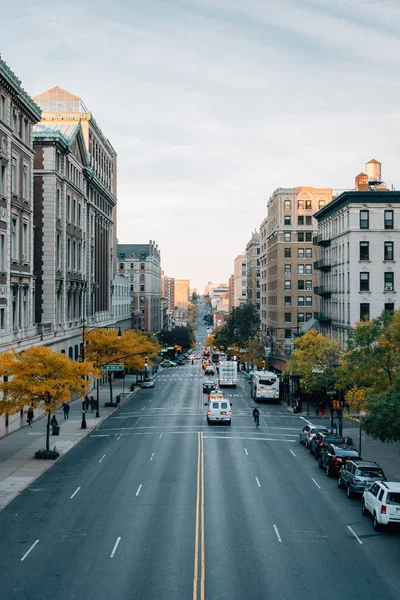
[
  {"x": 335, "y": 404},
  {"x": 263, "y": 364},
  {"x": 146, "y": 358}
]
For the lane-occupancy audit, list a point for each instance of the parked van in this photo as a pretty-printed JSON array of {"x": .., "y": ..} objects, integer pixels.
[{"x": 218, "y": 409}]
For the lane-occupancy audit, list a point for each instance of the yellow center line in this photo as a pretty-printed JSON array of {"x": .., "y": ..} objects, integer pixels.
[{"x": 199, "y": 544}]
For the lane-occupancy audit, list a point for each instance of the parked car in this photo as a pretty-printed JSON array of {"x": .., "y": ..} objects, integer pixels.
[
  {"x": 180, "y": 362},
  {"x": 382, "y": 501},
  {"x": 334, "y": 456},
  {"x": 209, "y": 386},
  {"x": 168, "y": 363},
  {"x": 355, "y": 476},
  {"x": 321, "y": 440},
  {"x": 308, "y": 432},
  {"x": 148, "y": 383}
]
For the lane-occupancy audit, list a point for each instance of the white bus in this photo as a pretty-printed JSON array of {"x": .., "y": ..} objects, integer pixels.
[{"x": 264, "y": 386}]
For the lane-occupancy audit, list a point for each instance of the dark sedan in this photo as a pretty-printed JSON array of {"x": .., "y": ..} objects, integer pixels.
[
  {"x": 333, "y": 457},
  {"x": 209, "y": 386},
  {"x": 321, "y": 440}
]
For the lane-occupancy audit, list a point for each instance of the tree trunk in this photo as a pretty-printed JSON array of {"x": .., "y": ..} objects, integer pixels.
[{"x": 48, "y": 432}]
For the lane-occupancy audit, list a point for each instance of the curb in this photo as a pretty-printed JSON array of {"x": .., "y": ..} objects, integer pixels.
[{"x": 49, "y": 466}]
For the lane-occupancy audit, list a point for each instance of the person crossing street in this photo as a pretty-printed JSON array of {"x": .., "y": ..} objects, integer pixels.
[{"x": 256, "y": 416}]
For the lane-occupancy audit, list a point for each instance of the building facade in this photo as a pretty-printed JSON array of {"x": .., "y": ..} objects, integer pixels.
[
  {"x": 240, "y": 280},
  {"x": 18, "y": 114},
  {"x": 358, "y": 244},
  {"x": 289, "y": 265},
  {"x": 121, "y": 302},
  {"x": 142, "y": 264},
  {"x": 253, "y": 270},
  {"x": 263, "y": 278},
  {"x": 181, "y": 293},
  {"x": 231, "y": 292}
]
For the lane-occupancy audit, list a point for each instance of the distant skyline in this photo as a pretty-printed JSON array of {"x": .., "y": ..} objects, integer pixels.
[{"x": 213, "y": 104}]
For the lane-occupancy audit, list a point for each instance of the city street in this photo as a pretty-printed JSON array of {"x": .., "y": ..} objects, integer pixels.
[{"x": 156, "y": 504}]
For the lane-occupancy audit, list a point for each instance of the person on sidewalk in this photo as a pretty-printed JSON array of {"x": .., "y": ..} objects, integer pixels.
[
  {"x": 317, "y": 410},
  {"x": 87, "y": 402},
  {"x": 323, "y": 410},
  {"x": 92, "y": 403},
  {"x": 30, "y": 416},
  {"x": 66, "y": 408}
]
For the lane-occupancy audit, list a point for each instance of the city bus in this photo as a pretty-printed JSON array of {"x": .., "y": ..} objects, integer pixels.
[{"x": 264, "y": 386}]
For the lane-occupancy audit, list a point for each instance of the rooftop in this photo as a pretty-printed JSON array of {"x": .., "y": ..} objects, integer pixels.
[{"x": 357, "y": 197}]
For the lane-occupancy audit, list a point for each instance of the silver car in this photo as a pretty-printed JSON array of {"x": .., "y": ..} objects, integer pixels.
[
  {"x": 357, "y": 475},
  {"x": 308, "y": 432}
]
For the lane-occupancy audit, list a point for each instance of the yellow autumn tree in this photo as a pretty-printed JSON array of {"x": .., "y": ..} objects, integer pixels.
[{"x": 40, "y": 378}]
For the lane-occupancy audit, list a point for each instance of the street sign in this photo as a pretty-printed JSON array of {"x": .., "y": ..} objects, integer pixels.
[{"x": 112, "y": 367}]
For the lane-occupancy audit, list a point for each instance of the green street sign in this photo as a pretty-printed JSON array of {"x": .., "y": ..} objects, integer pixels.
[{"x": 112, "y": 367}]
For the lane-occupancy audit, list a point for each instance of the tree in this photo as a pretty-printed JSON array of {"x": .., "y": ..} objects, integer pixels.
[
  {"x": 242, "y": 325},
  {"x": 182, "y": 336},
  {"x": 41, "y": 378},
  {"x": 315, "y": 361},
  {"x": 382, "y": 419}
]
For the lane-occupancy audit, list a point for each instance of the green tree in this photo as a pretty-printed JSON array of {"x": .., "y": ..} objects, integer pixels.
[
  {"x": 382, "y": 419},
  {"x": 181, "y": 336},
  {"x": 315, "y": 361},
  {"x": 41, "y": 378},
  {"x": 242, "y": 325}
]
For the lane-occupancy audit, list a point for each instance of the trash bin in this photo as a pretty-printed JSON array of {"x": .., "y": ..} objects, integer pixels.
[
  {"x": 118, "y": 398},
  {"x": 56, "y": 429},
  {"x": 132, "y": 387}
]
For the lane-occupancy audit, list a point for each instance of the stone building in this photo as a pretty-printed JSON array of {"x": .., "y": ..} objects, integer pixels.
[
  {"x": 240, "y": 280},
  {"x": 253, "y": 270}
]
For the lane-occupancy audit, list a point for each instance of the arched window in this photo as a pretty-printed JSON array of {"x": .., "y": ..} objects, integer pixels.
[
  {"x": 287, "y": 205},
  {"x": 321, "y": 203}
]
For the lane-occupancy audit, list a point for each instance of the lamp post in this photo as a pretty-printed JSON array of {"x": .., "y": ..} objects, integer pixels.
[{"x": 83, "y": 423}]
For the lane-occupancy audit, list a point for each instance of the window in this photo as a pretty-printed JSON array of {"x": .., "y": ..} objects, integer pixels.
[
  {"x": 308, "y": 316},
  {"x": 288, "y": 334},
  {"x": 25, "y": 241},
  {"x": 300, "y": 237},
  {"x": 389, "y": 306},
  {"x": 300, "y": 253},
  {"x": 308, "y": 236},
  {"x": 308, "y": 220},
  {"x": 321, "y": 203},
  {"x": 58, "y": 203},
  {"x": 288, "y": 317},
  {"x": 68, "y": 207},
  {"x": 389, "y": 221},
  {"x": 288, "y": 269},
  {"x": 300, "y": 220},
  {"x": 364, "y": 281},
  {"x": 3, "y": 180},
  {"x": 388, "y": 252},
  {"x": 288, "y": 253},
  {"x": 244, "y": 282},
  {"x": 288, "y": 301},
  {"x": 300, "y": 284},
  {"x": 288, "y": 284},
  {"x": 364, "y": 250},
  {"x": 300, "y": 317},
  {"x": 308, "y": 269},
  {"x": 25, "y": 182},
  {"x": 308, "y": 205},
  {"x": 288, "y": 350},
  {"x": 308, "y": 252},
  {"x": 300, "y": 269},
  {"x": 58, "y": 252},
  {"x": 2, "y": 251},
  {"x": 142, "y": 266},
  {"x": 308, "y": 284},
  {"x": 74, "y": 211},
  {"x": 364, "y": 311},
  {"x": 287, "y": 220},
  {"x": 2, "y": 318},
  {"x": 121, "y": 265},
  {"x": 300, "y": 301},
  {"x": 14, "y": 238},
  {"x": 287, "y": 205},
  {"x": 14, "y": 175},
  {"x": 2, "y": 107},
  {"x": 308, "y": 300},
  {"x": 364, "y": 219},
  {"x": 79, "y": 214},
  {"x": 287, "y": 237},
  {"x": 389, "y": 282},
  {"x": 68, "y": 254},
  {"x": 300, "y": 204}
]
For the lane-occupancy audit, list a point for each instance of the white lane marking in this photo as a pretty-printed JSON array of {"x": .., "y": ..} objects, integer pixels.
[
  {"x": 355, "y": 535},
  {"x": 115, "y": 547},
  {"x": 292, "y": 452},
  {"x": 277, "y": 534},
  {"x": 152, "y": 456},
  {"x": 160, "y": 436},
  {"x": 265, "y": 422},
  {"x": 75, "y": 492},
  {"x": 29, "y": 551},
  {"x": 144, "y": 407},
  {"x": 102, "y": 435},
  {"x": 306, "y": 420},
  {"x": 232, "y": 437},
  {"x": 258, "y": 483},
  {"x": 137, "y": 421},
  {"x": 150, "y": 400},
  {"x": 138, "y": 490},
  {"x": 102, "y": 458},
  {"x": 246, "y": 451},
  {"x": 119, "y": 437},
  {"x": 318, "y": 486}
]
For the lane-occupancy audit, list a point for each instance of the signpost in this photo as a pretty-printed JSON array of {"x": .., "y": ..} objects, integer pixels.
[{"x": 112, "y": 367}]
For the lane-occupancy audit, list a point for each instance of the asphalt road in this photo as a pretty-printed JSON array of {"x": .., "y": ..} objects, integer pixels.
[{"x": 156, "y": 505}]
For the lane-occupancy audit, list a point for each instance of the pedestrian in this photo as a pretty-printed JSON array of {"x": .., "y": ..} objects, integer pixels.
[
  {"x": 87, "y": 402},
  {"x": 66, "y": 408},
  {"x": 323, "y": 410},
  {"x": 317, "y": 410},
  {"x": 92, "y": 403},
  {"x": 30, "y": 416}
]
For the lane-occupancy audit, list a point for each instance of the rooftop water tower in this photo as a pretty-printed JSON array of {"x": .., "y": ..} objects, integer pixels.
[{"x": 373, "y": 170}]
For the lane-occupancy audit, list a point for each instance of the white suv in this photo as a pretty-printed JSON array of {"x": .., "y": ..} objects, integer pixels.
[{"x": 382, "y": 500}]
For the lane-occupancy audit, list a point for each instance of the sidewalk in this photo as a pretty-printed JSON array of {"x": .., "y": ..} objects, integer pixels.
[
  {"x": 386, "y": 455},
  {"x": 18, "y": 467}
]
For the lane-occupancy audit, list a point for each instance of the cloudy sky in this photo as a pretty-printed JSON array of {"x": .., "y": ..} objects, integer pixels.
[{"x": 212, "y": 104}]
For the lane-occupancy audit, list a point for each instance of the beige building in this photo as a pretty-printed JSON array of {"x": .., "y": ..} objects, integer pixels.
[
  {"x": 253, "y": 269},
  {"x": 289, "y": 265},
  {"x": 231, "y": 293},
  {"x": 263, "y": 277},
  {"x": 240, "y": 280},
  {"x": 181, "y": 293}
]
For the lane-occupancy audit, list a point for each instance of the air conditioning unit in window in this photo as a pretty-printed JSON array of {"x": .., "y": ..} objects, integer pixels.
[
  {"x": 13, "y": 228},
  {"x": 24, "y": 257}
]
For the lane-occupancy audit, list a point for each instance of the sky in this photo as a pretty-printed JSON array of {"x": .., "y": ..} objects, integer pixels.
[{"x": 213, "y": 104}]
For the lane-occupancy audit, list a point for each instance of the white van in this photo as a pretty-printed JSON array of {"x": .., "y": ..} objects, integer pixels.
[{"x": 218, "y": 409}]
